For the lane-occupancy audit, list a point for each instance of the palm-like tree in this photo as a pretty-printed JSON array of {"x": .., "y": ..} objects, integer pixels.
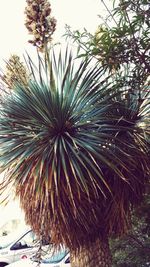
[{"x": 75, "y": 146}]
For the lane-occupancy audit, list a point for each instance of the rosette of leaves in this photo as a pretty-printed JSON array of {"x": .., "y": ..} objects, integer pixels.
[
  {"x": 76, "y": 150},
  {"x": 39, "y": 22}
]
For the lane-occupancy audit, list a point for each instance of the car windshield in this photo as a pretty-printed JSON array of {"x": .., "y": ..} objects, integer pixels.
[
  {"x": 5, "y": 241},
  {"x": 55, "y": 257}
]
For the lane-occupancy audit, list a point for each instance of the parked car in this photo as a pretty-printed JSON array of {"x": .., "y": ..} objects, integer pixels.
[
  {"x": 57, "y": 259},
  {"x": 17, "y": 246}
]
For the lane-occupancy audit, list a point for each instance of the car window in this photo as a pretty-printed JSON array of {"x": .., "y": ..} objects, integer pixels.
[
  {"x": 27, "y": 241},
  {"x": 7, "y": 240},
  {"x": 67, "y": 260}
]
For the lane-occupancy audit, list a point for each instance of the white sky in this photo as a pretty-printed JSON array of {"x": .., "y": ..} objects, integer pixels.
[
  {"x": 14, "y": 36},
  {"x": 78, "y": 14}
]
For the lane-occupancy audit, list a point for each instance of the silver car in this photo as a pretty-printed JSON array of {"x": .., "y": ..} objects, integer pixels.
[
  {"x": 57, "y": 259},
  {"x": 17, "y": 246}
]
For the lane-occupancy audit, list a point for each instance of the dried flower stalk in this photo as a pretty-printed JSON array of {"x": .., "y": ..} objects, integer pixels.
[
  {"x": 39, "y": 22},
  {"x": 15, "y": 72}
]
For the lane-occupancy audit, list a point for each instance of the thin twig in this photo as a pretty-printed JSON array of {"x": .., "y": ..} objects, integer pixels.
[{"x": 109, "y": 12}]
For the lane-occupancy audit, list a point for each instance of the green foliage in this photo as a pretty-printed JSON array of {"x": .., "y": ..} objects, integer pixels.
[
  {"x": 122, "y": 41},
  {"x": 134, "y": 249}
]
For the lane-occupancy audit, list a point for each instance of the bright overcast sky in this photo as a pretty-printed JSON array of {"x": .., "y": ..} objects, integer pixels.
[{"x": 76, "y": 13}]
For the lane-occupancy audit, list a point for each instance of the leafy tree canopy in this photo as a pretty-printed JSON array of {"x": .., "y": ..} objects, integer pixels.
[{"x": 121, "y": 41}]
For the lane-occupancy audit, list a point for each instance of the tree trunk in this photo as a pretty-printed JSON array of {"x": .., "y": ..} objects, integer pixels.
[{"x": 95, "y": 254}]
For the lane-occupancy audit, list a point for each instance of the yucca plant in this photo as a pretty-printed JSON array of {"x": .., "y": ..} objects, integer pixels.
[{"x": 75, "y": 147}]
